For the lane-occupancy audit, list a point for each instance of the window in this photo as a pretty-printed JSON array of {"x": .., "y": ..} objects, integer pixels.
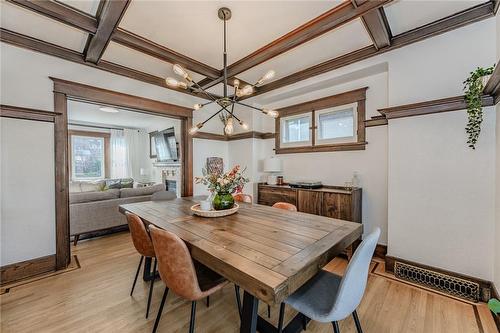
[
  {"x": 336, "y": 125},
  {"x": 332, "y": 123},
  {"x": 296, "y": 130},
  {"x": 89, "y": 155}
]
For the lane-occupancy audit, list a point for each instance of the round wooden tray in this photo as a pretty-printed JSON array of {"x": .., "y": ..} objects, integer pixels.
[{"x": 213, "y": 213}]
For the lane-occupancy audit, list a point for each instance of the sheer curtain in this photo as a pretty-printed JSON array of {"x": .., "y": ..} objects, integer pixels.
[
  {"x": 133, "y": 143},
  {"x": 120, "y": 165}
]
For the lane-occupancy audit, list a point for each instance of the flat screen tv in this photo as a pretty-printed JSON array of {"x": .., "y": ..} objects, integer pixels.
[{"x": 166, "y": 145}]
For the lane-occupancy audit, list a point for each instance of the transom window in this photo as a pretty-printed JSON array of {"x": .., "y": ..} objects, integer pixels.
[
  {"x": 336, "y": 125},
  {"x": 296, "y": 130}
]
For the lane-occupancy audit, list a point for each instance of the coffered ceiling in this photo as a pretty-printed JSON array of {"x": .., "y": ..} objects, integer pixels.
[{"x": 298, "y": 39}]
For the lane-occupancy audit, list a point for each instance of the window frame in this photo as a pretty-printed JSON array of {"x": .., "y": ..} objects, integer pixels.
[
  {"x": 297, "y": 143},
  {"x": 345, "y": 139},
  {"x": 107, "y": 156},
  {"x": 343, "y": 100}
]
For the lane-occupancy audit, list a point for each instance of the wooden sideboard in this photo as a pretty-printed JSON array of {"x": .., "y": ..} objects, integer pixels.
[{"x": 331, "y": 201}]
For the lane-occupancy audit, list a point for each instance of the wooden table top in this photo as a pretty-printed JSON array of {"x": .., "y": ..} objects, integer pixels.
[{"x": 268, "y": 252}]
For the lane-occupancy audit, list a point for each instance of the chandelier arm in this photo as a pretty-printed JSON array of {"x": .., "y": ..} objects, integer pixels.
[
  {"x": 209, "y": 95},
  {"x": 249, "y": 106},
  {"x": 203, "y": 123}
]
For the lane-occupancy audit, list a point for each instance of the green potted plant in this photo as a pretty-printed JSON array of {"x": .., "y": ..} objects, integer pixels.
[
  {"x": 223, "y": 185},
  {"x": 473, "y": 87}
]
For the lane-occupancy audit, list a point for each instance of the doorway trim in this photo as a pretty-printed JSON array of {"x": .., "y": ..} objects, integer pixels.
[{"x": 64, "y": 90}]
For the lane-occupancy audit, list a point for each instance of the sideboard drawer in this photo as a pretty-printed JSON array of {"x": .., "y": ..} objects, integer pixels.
[{"x": 269, "y": 195}]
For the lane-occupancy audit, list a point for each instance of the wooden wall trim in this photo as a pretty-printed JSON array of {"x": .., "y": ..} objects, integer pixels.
[
  {"x": 40, "y": 46},
  {"x": 376, "y": 121},
  {"x": 484, "y": 285},
  {"x": 109, "y": 16},
  {"x": 430, "y": 107},
  {"x": 104, "y": 96},
  {"x": 17, "y": 112},
  {"x": 60, "y": 12},
  {"x": 493, "y": 85},
  {"x": 323, "y": 148},
  {"x": 21, "y": 270},
  {"x": 234, "y": 137},
  {"x": 468, "y": 16}
]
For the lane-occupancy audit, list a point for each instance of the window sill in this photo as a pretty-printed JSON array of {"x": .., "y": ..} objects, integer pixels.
[{"x": 323, "y": 148}]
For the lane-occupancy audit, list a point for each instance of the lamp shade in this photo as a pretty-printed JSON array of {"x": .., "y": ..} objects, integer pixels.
[{"x": 272, "y": 165}]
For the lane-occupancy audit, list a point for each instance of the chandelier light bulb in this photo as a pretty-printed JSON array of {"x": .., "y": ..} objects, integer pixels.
[
  {"x": 229, "y": 128},
  {"x": 236, "y": 83},
  {"x": 180, "y": 71},
  {"x": 197, "y": 106},
  {"x": 270, "y": 113},
  {"x": 182, "y": 85},
  {"x": 171, "y": 82},
  {"x": 268, "y": 76},
  {"x": 247, "y": 90},
  {"x": 243, "y": 125},
  {"x": 195, "y": 129}
]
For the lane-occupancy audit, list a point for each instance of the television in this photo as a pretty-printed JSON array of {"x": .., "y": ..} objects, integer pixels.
[{"x": 166, "y": 145}]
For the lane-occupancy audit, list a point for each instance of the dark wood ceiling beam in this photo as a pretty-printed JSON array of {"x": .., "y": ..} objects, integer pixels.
[
  {"x": 143, "y": 45},
  {"x": 496, "y": 4},
  {"x": 376, "y": 25},
  {"x": 108, "y": 20},
  {"x": 328, "y": 21},
  {"x": 61, "y": 13},
  {"x": 493, "y": 85},
  {"x": 460, "y": 19},
  {"x": 37, "y": 45}
]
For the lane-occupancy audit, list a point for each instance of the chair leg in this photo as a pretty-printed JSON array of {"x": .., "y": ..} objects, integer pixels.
[
  {"x": 336, "y": 328},
  {"x": 238, "y": 299},
  {"x": 281, "y": 318},
  {"x": 304, "y": 322},
  {"x": 357, "y": 322},
  {"x": 193, "y": 314},
  {"x": 136, "y": 275},
  {"x": 151, "y": 288},
  {"x": 75, "y": 239},
  {"x": 208, "y": 301},
  {"x": 160, "y": 310},
  {"x": 268, "y": 311}
]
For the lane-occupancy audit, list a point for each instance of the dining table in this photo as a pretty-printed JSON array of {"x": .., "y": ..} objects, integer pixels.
[{"x": 267, "y": 252}]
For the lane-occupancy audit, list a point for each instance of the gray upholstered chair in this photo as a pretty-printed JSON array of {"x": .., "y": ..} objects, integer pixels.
[
  {"x": 163, "y": 196},
  {"x": 328, "y": 297}
]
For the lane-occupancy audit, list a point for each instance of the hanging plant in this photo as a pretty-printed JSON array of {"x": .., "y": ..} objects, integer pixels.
[{"x": 473, "y": 87}]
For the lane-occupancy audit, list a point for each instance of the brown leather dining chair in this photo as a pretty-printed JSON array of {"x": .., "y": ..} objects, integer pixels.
[
  {"x": 241, "y": 197},
  {"x": 143, "y": 245},
  {"x": 180, "y": 274},
  {"x": 285, "y": 206}
]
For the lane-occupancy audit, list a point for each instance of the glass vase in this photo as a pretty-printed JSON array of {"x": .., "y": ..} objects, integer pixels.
[{"x": 223, "y": 200}]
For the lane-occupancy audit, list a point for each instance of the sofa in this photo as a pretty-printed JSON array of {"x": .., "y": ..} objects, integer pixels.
[{"x": 93, "y": 206}]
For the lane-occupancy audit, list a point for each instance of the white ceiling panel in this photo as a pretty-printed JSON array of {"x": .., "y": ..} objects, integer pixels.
[
  {"x": 86, "y": 6},
  {"x": 194, "y": 29},
  {"x": 28, "y": 23},
  {"x": 405, "y": 15},
  {"x": 348, "y": 38},
  {"x": 128, "y": 57}
]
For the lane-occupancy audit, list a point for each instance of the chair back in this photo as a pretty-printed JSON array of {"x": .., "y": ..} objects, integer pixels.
[
  {"x": 140, "y": 237},
  {"x": 175, "y": 264},
  {"x": 286, "y": 206},
  {"x": 353, "y": 284},
  {"x": 163, "y": 196},
  {"x": 241, "y": 197}
]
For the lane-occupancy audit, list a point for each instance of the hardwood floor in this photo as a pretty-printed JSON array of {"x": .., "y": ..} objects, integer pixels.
[{"x": 95, "y": 298}]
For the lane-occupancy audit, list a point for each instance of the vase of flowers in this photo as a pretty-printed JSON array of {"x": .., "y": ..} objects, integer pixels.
[{"x": 223, "y": 185}]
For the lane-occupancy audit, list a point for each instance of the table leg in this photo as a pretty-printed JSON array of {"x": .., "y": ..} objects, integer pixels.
[{"x": 249, "y": 313}]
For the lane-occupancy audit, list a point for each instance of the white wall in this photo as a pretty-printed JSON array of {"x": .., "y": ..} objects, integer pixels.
[
  {"x": 26, "y": 190},
  {"x": 497, "y": 217}
]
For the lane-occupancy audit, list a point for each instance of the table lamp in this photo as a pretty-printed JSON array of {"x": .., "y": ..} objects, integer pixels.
[{"x": 272, "y": 165}]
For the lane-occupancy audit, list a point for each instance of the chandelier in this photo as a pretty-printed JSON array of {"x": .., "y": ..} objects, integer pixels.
[{"x": 226, "y": 102}]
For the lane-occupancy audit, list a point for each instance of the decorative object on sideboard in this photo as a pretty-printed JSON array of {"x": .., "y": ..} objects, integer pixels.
[
  {"x": 306, "y": 184},
  {"x": 272, "y": 165},
  {"x": 473, "y": 87},
  {"x": 226, "y": 102},
  {"x": 215, "y": 165},
  {"x": 223, "y": 185},
  {"x": 279, "y": 180}
]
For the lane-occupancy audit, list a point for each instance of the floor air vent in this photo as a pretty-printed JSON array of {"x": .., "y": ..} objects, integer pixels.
[{"x": 445, "y": 283}]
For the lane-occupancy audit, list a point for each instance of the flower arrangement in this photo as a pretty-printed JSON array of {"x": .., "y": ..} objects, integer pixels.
[
  {"x": 224, "y": 185},
  {"x": 229, "y": 182}
]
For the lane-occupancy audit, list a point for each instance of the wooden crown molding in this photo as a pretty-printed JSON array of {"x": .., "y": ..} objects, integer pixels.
[
  {"x": 100, "y": 95},
  {"x": 430, "y": 107},
  {"x": 17, "y": 112},
  {"x": 37, "y": 45},
  {"x": 110, "y": 14},
  {"x": 457, "y": 20},
  {"x": 234, "y": 137},
  {"x": 376, "y": 121},
  {"x": 60, "y": 12}
]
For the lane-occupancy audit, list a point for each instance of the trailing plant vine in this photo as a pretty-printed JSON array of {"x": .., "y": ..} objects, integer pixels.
[{"x": 473, "y": 87}]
